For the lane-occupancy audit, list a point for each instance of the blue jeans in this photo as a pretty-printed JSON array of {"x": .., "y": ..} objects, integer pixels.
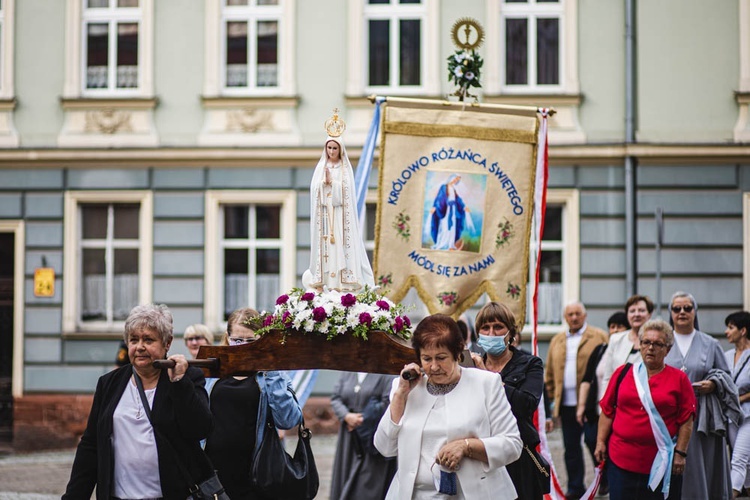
[
  {"x": 626, "y": 485},
  {"x": 572, "y": 432}
]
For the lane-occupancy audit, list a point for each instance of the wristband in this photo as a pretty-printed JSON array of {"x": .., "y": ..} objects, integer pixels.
[{"x": 681, "y": 453}]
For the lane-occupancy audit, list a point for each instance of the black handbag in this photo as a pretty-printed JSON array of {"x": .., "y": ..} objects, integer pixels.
[
  {"x": 276, "y": 474},
  {"x": 211, "y": 488},
  {"x": 541, "y": 469}
]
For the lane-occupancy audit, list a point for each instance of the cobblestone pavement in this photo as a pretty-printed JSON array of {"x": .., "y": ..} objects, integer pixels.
[{"x": 43, "y": 476}]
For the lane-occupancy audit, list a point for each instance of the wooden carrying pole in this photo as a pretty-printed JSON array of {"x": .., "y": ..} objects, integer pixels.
[{"x": 292, "y": 350}]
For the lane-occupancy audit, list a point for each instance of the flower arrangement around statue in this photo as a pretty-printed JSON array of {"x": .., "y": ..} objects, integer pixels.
[
  {"x": 332, "y": 313},
  {"x": 465, "y": 65}
]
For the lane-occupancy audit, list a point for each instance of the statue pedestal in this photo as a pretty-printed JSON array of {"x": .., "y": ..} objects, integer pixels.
[{"x": 298, "y": 350}]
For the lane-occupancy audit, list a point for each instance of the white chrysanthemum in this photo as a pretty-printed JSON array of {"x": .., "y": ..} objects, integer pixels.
[
  {"x": 309, "y": 325},
  {"x": 459, "y": 71}
]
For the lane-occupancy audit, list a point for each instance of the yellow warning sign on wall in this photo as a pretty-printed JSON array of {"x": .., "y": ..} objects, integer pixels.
[{"x": 44, "y": 282}]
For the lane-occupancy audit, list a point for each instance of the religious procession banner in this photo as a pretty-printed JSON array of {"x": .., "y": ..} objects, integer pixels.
[{"x": 455, "y": 205}]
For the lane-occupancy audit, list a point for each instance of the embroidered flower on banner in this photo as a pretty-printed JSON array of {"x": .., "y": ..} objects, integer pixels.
[
  {"x": 402, "y": 226},
  {"x": 513, "y": 291},
  {"x": 385, "y": 279},
  {"x": 331, "y": 313},
  {"x": 504, "y": 233},
  {"x": 448, "y": 298}
]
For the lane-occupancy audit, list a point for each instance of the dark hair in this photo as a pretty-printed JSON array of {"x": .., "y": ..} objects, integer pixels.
[
  {"x": 618, "y": 318},
  {"x": 637, "y": 298},
  {"x": 496, "y": 311},
  {"x": 740, "y": 319},
  {"x": 464, "y": 329},
  {"x": 438, "y": 330}
]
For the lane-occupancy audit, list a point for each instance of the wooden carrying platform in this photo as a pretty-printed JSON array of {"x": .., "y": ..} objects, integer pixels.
[{"x": 380, "y": 353}]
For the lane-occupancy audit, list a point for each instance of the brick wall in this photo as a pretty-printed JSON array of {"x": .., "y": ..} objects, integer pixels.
[{"x": 45, "y": 422}]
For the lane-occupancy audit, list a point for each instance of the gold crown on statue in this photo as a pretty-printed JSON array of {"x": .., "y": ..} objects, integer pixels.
[{"x": 335, "y": 126}]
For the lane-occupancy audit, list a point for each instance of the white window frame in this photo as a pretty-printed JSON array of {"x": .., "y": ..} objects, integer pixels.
[
  {"x": 215, "y": 48},
  {"x": 570, "y": 247},
  {"x": 18, "y": 228},
  {"x": 497, "y": 12},
  {"x": 7, "y": 26},
  {"x": 72, "y": 250},
  {"x": 360, "y": 13},
  {"x": 214, "y": 286},
  {"x": 75, "y": 49}
]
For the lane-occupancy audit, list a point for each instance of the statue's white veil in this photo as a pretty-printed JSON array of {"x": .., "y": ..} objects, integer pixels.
[{"x": 356, "y": 256}]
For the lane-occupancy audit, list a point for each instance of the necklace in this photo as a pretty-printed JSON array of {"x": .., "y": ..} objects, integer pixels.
[
  {"x": 136, "y": 401},
  {"x": 440, "y": 389}
]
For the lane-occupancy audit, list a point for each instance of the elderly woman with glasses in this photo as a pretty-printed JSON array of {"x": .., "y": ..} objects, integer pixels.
[
  {"x": 197, "y": 335},
  {"x": 646, "y": 422},
  {"x": 240, "y": 406},
  {"x": 700, "y": 356}
]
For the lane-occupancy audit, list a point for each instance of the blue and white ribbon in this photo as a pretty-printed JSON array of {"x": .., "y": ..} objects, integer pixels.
[{"x": 662, "y": 466}]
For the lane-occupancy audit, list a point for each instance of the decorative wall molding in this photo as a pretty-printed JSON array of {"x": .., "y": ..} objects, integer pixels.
[
  {"x": 250, "y": 121},
  {"x": 108, "y": 123}
]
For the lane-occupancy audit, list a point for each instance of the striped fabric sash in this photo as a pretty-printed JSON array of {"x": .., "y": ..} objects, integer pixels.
[{"x": 662, "y": 466}]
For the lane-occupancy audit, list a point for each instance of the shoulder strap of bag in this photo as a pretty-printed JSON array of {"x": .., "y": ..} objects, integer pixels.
[
  {"x": 183, "y": 470},
  {"x": 737, "y": 373},
  {"x": 619, "y": 381}
]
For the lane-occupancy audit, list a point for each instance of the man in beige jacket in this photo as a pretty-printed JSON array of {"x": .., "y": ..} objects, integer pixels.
[{"x": 568, "y": 354}]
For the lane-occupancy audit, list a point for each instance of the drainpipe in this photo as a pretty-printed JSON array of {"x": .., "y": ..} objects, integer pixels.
[{"x": 631, "y": 220}]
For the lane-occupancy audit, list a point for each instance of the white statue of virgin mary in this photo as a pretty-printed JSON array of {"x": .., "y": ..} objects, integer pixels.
[{"x": 338, "y": 260}]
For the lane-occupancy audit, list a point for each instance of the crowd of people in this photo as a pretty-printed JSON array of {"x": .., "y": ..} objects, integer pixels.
[{"x": 658, "y": 404}]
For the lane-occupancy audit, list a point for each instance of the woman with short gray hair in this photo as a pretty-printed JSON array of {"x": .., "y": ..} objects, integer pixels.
[{"x": 130, "y": 450}]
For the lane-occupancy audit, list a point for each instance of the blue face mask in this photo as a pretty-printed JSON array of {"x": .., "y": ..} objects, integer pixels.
[{"x": 491, "y": 344}]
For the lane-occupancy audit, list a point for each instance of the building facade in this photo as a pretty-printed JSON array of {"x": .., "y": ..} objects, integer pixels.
[{"x": 161, "y": 151}]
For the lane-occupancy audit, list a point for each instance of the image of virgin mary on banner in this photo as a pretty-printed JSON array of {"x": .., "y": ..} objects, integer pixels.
[{"x": 455, "y": 206}]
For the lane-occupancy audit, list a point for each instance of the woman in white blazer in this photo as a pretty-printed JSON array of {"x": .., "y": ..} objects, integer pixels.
[{"x": 448, "y": 423}]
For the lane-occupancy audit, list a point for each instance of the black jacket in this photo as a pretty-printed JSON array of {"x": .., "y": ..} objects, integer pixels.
[
  {"x": 523, "y": 377},
  {"x": 180, "y": 414}
]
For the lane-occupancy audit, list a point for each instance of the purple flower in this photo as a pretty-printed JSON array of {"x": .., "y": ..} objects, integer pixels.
[
  {"x": 398, "y": 324},
  {"x": 307, "y": 296},
  {"x": 348, "y": 300},
  {"x": 319, "y": 314},
  {"x": 282, "y": 299},
  {"x": 407, "y": 321},
  {"x": 268, "y": 320},
  {"x": 382, "y": 304},
  {"x": 365, "y": 318},
  {"x": 286, "y": 318}
]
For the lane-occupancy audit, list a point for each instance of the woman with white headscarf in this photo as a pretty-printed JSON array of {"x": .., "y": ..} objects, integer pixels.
[{"x": 338, "y": 259}]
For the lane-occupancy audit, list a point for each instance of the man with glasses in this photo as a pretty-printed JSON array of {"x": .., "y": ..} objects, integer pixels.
[
  {"x": 568, "y": 354},
  {"x": 700, "y": 356}
]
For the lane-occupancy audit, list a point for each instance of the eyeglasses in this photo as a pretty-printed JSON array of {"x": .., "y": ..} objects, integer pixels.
[
  {"x": 655, "y": 345},
  {"x": 195, "y": 339},
  {"x": 240, "y": 340},
  {"x": 676, "y": 309}
]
